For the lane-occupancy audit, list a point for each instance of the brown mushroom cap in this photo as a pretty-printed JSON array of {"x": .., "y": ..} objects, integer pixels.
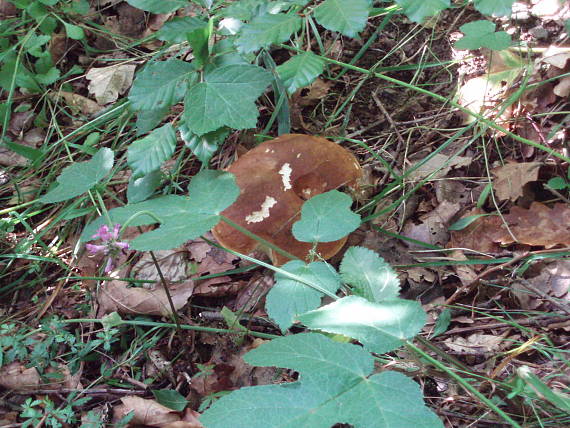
[{"x": 275, "y": 179}]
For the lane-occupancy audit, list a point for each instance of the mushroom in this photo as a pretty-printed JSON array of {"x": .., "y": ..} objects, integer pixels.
[{"x": 275, "y": 179}]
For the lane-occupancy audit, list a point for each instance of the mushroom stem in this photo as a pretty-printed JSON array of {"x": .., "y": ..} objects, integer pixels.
[{"x": 258, "y": 238}]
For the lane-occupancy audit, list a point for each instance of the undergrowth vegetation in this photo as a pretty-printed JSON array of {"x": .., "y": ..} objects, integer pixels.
[{"x": 431, "y": 290}]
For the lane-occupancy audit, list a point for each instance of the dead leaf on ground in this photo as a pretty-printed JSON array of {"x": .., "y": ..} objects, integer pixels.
[
  {"x": 16, "y": 377},
  {"x": 556, "y": 56},
  {"x": 172, "y": 264},
  {"x": 562, "y": 89},
  {"x": 440, "y": 163},
  {"x": 107, "y": 83},
  {"x": 80, "y": 103},
  {"x": 316, "y": 91},
  {"x": 146, "y": 412},
  {"x": 475, "y": 344},
  {"x": 433, "y": 227},
  {"x": 118, "y": 296},
  {"x": 553, "y": 280},
  {"x": 511, "y": 178},
  {"x": 190, "y": 419},
  {"x": 478, "y": 236}
]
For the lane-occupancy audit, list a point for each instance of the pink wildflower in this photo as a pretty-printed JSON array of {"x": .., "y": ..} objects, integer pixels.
[{"x": 110, "y": 246}]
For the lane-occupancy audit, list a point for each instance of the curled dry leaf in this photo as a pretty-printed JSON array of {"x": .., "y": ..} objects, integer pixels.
[
  {"x": 433, "y": 227},
  {"x": 440, "y": 163},
  {"x": 16, "y": 377},
  {"x": 107, "y": 83},
  {"x": 118, "y": 296},
  {"x": 146, "y": 412},
  {"x": 476, "y": 344},
  {"x": 562, "y": 89},
  {"x": 172, "y": 265},
  {"x": 81, "y": 103},
  {"x": 511, "y": 178}
]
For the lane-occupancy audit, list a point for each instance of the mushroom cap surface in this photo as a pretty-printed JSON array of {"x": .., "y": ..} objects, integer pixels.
[{"x": 275, "y": 179}]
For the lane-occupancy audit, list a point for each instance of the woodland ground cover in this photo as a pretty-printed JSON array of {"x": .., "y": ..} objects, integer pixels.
[{"x": 448, "y": 303}]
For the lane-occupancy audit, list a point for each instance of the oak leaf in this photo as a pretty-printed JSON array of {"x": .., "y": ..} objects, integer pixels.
[{"x": 511, "y": 178}]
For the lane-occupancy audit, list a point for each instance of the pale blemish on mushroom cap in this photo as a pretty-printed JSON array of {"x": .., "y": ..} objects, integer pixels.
[
  {"x": 263, "y": 213},
  {"x": 285, "y": 173}
]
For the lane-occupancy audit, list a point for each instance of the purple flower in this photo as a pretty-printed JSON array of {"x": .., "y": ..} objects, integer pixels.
[{"x": 110, "y": 246}]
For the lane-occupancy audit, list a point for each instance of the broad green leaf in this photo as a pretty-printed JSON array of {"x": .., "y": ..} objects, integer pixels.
[
  {"x": 73, "y": 31},
  {"x": 481, "y": 34},
  {"x": 199, "y": 42},
  {"x": 140, "y": 189},
  {"x": 175, "y": 30},
  {"x": 51, "y": 76},
  {"x": 494, "y": 7},
  {"x": 442, "y": 323},
  {"x": 225, "y": 98},
  {"x": 28, "y": 152},
  {"x": 170, "y": 398},
  {"x": 80, "y": 177},
  {"x": 181, "y": 218},
  {"x": 289, "y": 298},
  {"x": 162, "y": 6},
  {"x": 244, "y": 10},
  {"x": 264, "y": 30},
  {"x": 336, "y": 385},
  {"x": 557, "y": 183},
  {"x": 325, "y": 218},
  {"x": 147, "y": 120},
  {"x": 203, "y": 146},
  {"x": 148, "y": 153},
  {"x": 418, "y": 10},
  {"x": 380, "y": 327},
  {"x": 161, "y": 84},
  {"x": 300, "y": 71},
  {"x": 369, "y": 275},
  {"x": 345, "y": 16}
]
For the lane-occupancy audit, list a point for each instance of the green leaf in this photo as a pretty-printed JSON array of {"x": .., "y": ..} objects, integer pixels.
[
  {"x": 28, "y": 152},
  {"x": 325, "y": 218},
  {"x": 140, "y": 189},
  {"x": 557, "y": 183},
  {"x": 345, "y": 16},
  {"x": 442, "y": 323},
  {"x": 181, "y": 218},
  {"x": 300, "y": 71},
  {"x": 462, "y": 223},
  {"x": 175, "y": 30},
  {"x": 80, "y": 177},
  {"x": 73, "y": 31},
  {"x": 244, "y": 10},
  {"x": 336, "y": 385},
  {"x": 170, "y": 398},
  {"x": 226, "y": 98},
  {"x": 163, "y": 6},
  {"x": 380, "y": 327},
  {"x": 199, "y": 41},
  {"x": 51, "y": 76},
  {"x": 147, "y": 120},
  {"x": 161, "y": 84},
  {"x": 264, "y": 30},
  {"x": 494, "y": 7},
  {"x": 418, "y": 10},
  {"x": 203, "y": 146},
  {"x": 148, "y": 153},
  {"x": 369, "y": 275},
  {"x": 289, "y": 298},
  {"x": 481, "y": 34}
]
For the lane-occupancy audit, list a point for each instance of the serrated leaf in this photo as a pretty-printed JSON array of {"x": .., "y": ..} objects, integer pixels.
[
  {"x": 481, "y": 34},
  {"x": 369, "y": 275},
  {"x": 380, "y": 327},
  {"x": 557, "y": 183},
  {"x": 300, "y": 71},
  {"x": 335, "y": 385},
  {"x": 80, "y": 177},
  {"x": 161, "y": 84},
  {"x": 345, "y": 16},
  {"x": 418, "y": 10},
  {"x": 163, "y": 6},
  {"x": 244, "y": 10},
  {"x": 203, "y": 146},
  {"x": 494, "y": 7},
  {"x": 325, "y": 218},
  {"x": 142, "y": 188},
  {"x": 289, "y": 298},
  {"x": 264, "y": 30},
  {"x": 225, "y": 98},
  {"x": 147, "y": 120},
  {"x": 73, "y": 31},
  {"x": 181, "y": 218},
  {"x": 148, "y": 153},
  {"x": 175, "y": 30},
  {"x": 170, "y": 398}
]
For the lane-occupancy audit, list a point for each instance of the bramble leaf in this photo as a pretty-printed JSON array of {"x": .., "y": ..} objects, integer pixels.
[
  {"x": 380, "y": 327},
  {"x": 140, "y": 189},
  {"x": 264, "y": 30},
  {"x": 203, "y": 146},
  {"x": 225, "y": 98},
  {"x": 481, "y": 34},
  {"x": 80, "y": 177},
  {"x": 418, "y": 10},
  {"x": 325, "y": 218},
  {"x": 163, "y": 6},
  {"x": 369, "y": 275},
  {"x": 148, "y": 153},
  {"x": 335, "y": 385},
  {"x": 494, "y": 7},
  {"x": 170, "y": 398},
  {"x": 175, "y": 30},
  {"x": 300, "y": 71},
  {"x": 161, "y": 84},
  {"x": 345, "y": 16},
  {"x": 289, "y": 298}
]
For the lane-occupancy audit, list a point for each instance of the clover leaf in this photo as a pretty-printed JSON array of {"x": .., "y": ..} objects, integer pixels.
[{"x": 481, "y": 34}]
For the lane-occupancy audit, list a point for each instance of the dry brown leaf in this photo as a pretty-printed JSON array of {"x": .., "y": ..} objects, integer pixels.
[
  {"x": 146, "y": 412},
  {"x": 317, "y": 90},
  {"x": 476, "y": 344},
  {"x": 479, "y": 235},
  {"x": 172, "y": 265},
  {"x": 511, "y": 178},
  {"x": 556, "y": 56},
  {"x": 433, "y": 227},
  {"x": 16, "y": 377},
  {"x": 118, "y": 296},
  {"x": 440, "y": 163},
  {"x": 562, "y": 89},
  {"x": 107, "y": 83},
  {"x": 81, "y": 103}
]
